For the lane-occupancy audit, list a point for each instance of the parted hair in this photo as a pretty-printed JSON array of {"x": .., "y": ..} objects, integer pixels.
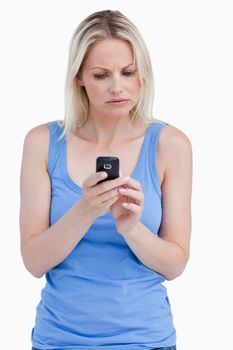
[{"x": 101, "y": 25}]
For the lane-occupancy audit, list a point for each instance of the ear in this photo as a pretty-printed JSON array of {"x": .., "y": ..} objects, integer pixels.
[{"x": 80, "y": 81}]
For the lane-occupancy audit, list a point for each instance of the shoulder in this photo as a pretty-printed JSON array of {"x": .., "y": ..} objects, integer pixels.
[
  {"x": 173, "y": 144},
  {"x": 172, "y": 137},
  {"x": 37, "y": 139}
]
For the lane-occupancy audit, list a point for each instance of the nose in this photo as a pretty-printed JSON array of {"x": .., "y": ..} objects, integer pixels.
[{"x": 116, "y": 85}]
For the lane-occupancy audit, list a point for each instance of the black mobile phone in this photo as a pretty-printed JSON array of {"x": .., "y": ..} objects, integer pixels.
[{"x": 108, "y": 164}]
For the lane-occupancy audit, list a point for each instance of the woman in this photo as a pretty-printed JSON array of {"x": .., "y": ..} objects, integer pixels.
[{"x": 106, "y": 248}]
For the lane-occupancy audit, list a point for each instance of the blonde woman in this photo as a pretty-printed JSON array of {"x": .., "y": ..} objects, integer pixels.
[{"x": 106, "y": 248}]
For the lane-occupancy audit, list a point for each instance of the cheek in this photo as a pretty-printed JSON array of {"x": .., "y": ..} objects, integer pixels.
[
  {"x": 135, "y": 87},
  {"x": 94, "y": 90}
]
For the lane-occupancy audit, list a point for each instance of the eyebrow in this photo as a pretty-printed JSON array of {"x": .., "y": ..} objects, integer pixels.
[{"x": 108, "y": 69}]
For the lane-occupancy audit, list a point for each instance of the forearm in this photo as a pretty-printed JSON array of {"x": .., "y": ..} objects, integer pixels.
[
  {"x": 46, "y": 249},
  {"x": 164, "y": 257}
]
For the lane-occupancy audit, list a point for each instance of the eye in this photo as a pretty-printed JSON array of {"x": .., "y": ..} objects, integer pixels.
[
  {"x": 129, "y": 73},
  {"x": 100, "y": 76},
  {"x": 126, "y": 74}
]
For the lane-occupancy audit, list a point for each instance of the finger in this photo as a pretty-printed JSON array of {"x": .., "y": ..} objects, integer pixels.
[
  {"x": 103, "y": 197},
  {"x": 110, "y": 201},
  {"x": 134, "y": 184},
  {"x": 132, "y": 207},
  {"x": 94, "y": 178},
  {"x": 109, "y": 185},
  {"x": 137, "y": 196}
]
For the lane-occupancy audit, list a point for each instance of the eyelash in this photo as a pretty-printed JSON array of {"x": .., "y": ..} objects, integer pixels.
[{"x": 102, "y": 76}]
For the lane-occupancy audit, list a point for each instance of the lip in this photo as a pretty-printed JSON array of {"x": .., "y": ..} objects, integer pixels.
[{"x": 118, "y": 101}]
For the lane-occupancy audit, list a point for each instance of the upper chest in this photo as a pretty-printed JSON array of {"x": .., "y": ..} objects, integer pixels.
[{"x": 81, "y": 157}]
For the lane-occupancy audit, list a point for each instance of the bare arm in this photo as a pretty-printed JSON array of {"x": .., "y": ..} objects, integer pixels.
[
  {"x": 43, "y": 247},
  {"x": 168, "y": 253}
]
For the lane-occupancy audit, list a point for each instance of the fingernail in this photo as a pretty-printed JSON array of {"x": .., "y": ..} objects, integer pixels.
[
  {"x": 120, "y": 173},
  {"x": 123, "y": 190},
  {"x": 104, "y": 174},
  {"x": 126, "y": 178}
]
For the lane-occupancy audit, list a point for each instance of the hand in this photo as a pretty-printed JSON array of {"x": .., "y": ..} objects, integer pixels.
[
  {"x": 98, "y": 197},
  {"x": 128, "y": 216}
]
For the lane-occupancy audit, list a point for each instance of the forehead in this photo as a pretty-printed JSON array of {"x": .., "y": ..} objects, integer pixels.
[{"x": 108, "y": 51}]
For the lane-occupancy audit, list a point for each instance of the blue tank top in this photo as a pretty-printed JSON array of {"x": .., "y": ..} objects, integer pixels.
[{"x": 101, "y": 296}]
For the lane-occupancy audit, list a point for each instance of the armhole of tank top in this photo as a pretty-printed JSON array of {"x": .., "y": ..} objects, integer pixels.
[
  {"x": 155, "y": 173},
  {"x": 53, "y": 146}
]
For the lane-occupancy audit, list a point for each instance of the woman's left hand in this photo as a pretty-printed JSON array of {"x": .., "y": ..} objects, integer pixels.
[{"x": 128, "y": 216}]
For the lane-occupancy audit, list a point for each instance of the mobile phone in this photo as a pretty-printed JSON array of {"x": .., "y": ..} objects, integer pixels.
[{"x": 108, "y": 164}]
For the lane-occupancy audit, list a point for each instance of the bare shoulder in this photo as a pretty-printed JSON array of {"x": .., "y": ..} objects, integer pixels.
[
  {"x": 174, "y": 147},
  {"x": 172, "y": 136},
  {"x": 173, "y": 142},
  {"x": 38, "y": 139}
]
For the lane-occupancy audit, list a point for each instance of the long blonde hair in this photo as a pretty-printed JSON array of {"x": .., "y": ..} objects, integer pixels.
[{"x": 98, "y": 26}]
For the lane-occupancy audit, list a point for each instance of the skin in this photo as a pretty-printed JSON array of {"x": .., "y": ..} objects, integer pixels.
[
  {"x": 108, "y": 127},
  {"x": 108, "y": 72}
]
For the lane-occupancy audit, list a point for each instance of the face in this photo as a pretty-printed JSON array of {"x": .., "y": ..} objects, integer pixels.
[{"x": 109, "y": 73}]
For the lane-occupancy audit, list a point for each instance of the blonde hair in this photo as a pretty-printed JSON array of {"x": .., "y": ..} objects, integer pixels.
[{"x": 98, "y": 26}]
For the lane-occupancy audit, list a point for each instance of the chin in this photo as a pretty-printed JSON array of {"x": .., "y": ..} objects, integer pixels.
[{"x": 119, "y": 114}]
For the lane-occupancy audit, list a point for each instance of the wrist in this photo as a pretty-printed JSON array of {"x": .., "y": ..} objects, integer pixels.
[
  {"x": 131, "y": 233},
  {"x": 83, "y": 213}
]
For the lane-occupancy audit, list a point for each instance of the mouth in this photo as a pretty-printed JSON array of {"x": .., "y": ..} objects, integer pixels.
[{"x": 120, "y": 101}]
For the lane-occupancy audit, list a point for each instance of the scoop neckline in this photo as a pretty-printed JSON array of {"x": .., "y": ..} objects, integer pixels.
[{"x": 64, "y": 165}]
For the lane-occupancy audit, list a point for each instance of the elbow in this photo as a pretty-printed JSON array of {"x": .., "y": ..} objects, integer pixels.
[
  {"x": 37, "y": 275},
  {"x": 33, "y": 272},
  {"x": 29, "y": 264},
  {"x": 176, "y": 272},
  {"x": 173, "y": 275}
]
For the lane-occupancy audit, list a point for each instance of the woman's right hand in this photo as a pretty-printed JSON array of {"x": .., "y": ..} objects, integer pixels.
[{"x": 98, "y": 197}]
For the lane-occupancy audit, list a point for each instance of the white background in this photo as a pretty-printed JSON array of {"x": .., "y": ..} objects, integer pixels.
[{"x": 190, "y": 43}]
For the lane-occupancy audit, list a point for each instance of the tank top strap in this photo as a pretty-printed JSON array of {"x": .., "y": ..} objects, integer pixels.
[
  {"x": 152, "y": 153},
  {"x": 156, "y": 128},
  {"x": 55, "y": 131}
]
